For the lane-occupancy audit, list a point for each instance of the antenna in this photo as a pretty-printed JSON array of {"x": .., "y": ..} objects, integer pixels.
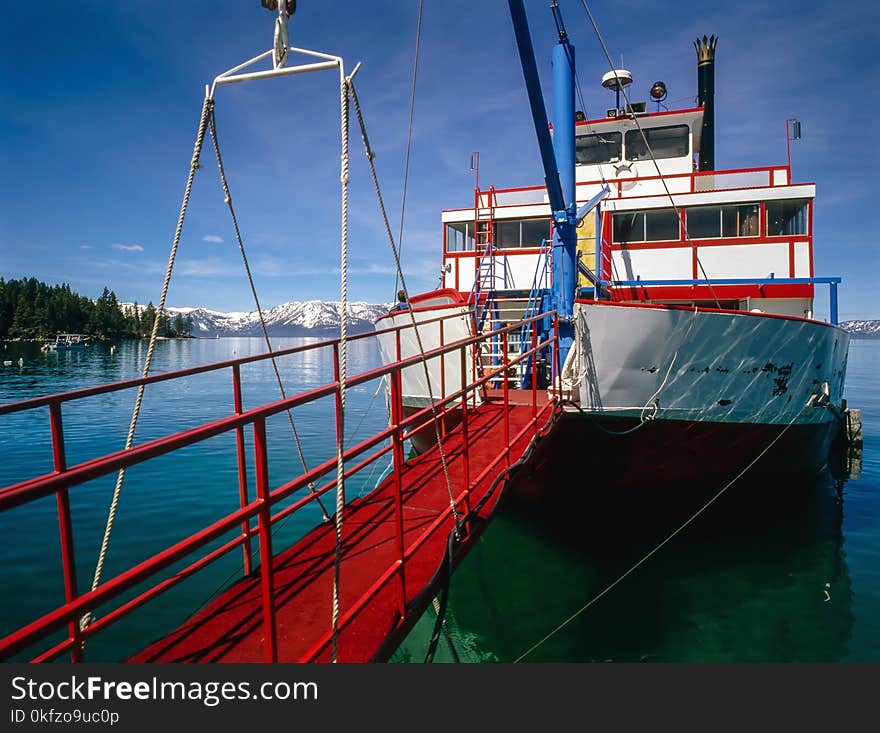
[
  {"x": 792, "y": 132},
  {"x": 475, "y": 167}
]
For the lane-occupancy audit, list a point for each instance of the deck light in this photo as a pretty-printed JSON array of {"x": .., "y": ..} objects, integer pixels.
[{"x": 658, "y": 91}]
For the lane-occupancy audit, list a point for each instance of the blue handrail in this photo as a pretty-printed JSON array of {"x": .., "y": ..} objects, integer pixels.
[{"x": 832, "y": 282}]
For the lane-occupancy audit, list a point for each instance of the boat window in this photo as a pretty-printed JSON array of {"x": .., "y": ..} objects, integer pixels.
[
  {"x": 514, "y": 233},
  {"x": 787, "y": 217},
  {"x": 460, "y": 236},
  {"x": 665, "y": 142},
  {"x": 646, "y": 226},
  {"x": 706, "y": 222},
  {"x": 593, "y": 149},
  {"x": 628, "y": 226}
]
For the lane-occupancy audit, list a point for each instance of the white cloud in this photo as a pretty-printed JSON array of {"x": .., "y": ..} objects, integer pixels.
[
  {"x": 128, "y": 247},
  {"x": 85, "y": 246},
  {"x": 212, "y": 238}
]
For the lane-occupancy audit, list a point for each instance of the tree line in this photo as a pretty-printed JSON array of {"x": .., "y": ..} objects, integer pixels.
[{"x": 30, "y": 309}]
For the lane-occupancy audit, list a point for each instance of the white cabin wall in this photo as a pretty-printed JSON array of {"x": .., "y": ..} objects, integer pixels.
[
  {"x": 802, "y": 259},
  {"x": 745, "y": 260},
  {"x": 669, "y": 263}
]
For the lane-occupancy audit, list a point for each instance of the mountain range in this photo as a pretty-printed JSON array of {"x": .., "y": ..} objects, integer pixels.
[
  {"x": 319, "y": 318},
  {"x": 862, "y": 329},
  {"x": 296, "y": 318}
]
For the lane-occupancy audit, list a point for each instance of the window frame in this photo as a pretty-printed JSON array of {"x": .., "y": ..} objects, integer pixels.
[
  {"x": 500, "y": 246},
  {"x": 720, "y": 208},
  {"x": 645, "y": 214},
  {"x": 648, "y": 131},
  {"x": 618, "y": 133},
  {"x": 806, "y": 203}
]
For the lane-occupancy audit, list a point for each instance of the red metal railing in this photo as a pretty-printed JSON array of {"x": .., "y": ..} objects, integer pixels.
[
  {"x": 65, "y": 478},
  {"x": 697, "y": 181}
]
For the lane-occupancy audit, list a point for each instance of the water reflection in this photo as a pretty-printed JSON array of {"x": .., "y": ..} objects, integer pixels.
[{"x": 761, "y": 576}]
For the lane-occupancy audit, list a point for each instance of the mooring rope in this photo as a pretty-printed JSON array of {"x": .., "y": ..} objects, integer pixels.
[
  {"x": 247, "y": 268},
  {"x": 668, "y": 538},
  {"x": 343, "y": 350},
  {"x": 129, "y": 440}
]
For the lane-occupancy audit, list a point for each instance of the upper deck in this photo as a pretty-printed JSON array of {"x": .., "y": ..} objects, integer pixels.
[{"x": 661, "y": 220}]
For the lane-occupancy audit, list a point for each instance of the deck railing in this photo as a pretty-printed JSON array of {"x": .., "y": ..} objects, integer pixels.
[
  {"x": 831, "y": 282},
  {"x": 66, "y": 478},
  {"x": 695, "y": 182}
]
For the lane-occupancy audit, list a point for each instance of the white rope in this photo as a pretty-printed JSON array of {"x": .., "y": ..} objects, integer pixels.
[
  {"x": 343, "y": 350},
  {"x": 434, "y": 416},
  {"x": 129, "y": 440},
  {"x": 662, "y": 543},
  {"x": 212, "y": 123}
]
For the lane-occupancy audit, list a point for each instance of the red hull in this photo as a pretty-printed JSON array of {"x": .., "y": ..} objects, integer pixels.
[{"x": 679, "y": 455}]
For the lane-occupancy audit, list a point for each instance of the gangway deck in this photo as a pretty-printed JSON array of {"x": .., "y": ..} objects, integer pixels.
[
  {"x": 394, "y": 539},
  {"x": 231, "y": 628}
]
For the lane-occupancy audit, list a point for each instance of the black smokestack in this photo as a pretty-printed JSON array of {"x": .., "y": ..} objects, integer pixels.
[{"x": 706, "y": 97}]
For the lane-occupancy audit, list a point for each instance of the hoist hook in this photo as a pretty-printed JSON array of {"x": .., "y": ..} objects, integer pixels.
[{"x": 285, "y": 10}]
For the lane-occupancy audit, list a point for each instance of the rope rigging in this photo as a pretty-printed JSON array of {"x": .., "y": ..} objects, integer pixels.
[
  {"x": 129, "y": 440},
  {"x": 635, "y": 119},
  {"x": 212, "y": 122},
  {"x": 435, "y": 417},
  {"x": 343, "y": 351},
  {"x": 412, "y": 107},
  {"x": 666, "y": 540}
]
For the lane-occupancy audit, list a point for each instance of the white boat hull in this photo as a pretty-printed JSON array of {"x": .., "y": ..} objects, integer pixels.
[
  {"x": 444, "y": 377},
  {"x": 674, "y": 363}
]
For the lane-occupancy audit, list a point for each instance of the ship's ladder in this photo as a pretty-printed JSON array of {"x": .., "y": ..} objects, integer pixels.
[
  {"x": 534, "y": 306},
  {"x": 484, "y": 240}
]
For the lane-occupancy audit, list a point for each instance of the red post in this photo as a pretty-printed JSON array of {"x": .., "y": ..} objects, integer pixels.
[
  {"x": 242, "y": 469},
  {"x": 443, "y": 381},
  {"x": 535, "y": 374},
  {"x": 556, "y": 374},
  {"x": 506, "y": 387},
  {"x": 476, "y": 347},
  {"x": 465, "y": 455},
  {"x": 338, "y": 399},
  {"x": 397, "y": 456},
  {"x": 65, "y": 528},
  {"x": 265, "y": 529}
]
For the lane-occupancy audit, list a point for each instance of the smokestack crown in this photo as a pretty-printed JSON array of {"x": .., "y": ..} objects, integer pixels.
[{"x": 705, "y": 49}]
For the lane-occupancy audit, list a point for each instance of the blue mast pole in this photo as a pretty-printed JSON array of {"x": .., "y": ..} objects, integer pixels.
[
  {"x": 558, "y": 160},
  {"x": 564, "y": 231}
]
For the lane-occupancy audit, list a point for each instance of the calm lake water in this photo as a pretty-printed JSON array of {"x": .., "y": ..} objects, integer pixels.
[{"x": 783, "y": 574}]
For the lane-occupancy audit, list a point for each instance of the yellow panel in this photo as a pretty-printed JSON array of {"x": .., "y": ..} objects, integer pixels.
[{"x": 586, "y": 236}]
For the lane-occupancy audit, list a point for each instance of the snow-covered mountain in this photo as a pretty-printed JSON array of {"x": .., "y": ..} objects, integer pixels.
[
  {"x": 863, "y": 329},
  {"x": 296, "y": 318}
]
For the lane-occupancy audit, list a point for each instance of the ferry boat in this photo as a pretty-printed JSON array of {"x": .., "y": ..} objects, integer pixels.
[
  {"x": 676, "y": 346},
  {"x": 683, "y": 293}
]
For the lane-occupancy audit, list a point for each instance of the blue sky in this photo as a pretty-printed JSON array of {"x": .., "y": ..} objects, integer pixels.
[{"x": 99, "y": 105}]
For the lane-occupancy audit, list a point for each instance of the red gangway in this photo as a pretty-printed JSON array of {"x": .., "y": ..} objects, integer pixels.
[{"x": 394, "y": 539}]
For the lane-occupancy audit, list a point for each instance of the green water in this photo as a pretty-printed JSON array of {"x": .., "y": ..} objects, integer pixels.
[
  {"x": 766, "y": 574},
  {"x": 788, "y": 574}
]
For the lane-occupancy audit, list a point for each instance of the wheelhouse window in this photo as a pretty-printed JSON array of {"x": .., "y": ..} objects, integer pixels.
[
  {"x": 515, "y": 233},
  {"x": 460, "y": 236},
  {"x": 656, "y": 225},
  {"x": 665, "y": 142},
  {"x": 708, "y": 222},
  {"x": 787, "y": 217},
  {"x": 595, "y": 149}
]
